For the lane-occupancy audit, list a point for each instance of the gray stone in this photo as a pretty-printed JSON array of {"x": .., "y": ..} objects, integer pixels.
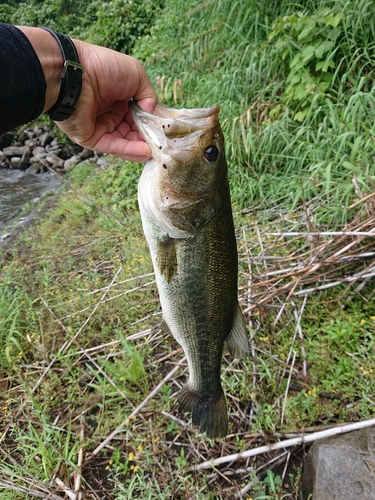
[
  {"x": 55, "y": 150},
  {"x": 54, "y": 160},
  {"x": 25, "y": 160},
  {"x": 15, "y": 161},
  {"x": 15, "y": 151},
  {"x": 37, "y": 130},
  {"x": 71, "y": 162},
  {"x": 86, "y": 153},
  {"x": 37, "y": 158},
  {"x": 106, "y": 160},
  {"x": 341, "y": 467},
  {"x": 45, "y": 139},
  {"x": 38, "y": 151},
  {"x": 35, "y": 169}
]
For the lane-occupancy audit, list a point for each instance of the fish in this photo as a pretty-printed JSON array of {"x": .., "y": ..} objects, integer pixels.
[{"x": 186, "y": 212}]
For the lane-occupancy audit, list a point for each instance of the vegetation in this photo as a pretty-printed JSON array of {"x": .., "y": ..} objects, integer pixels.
[
  {"x": 79, "y": 310},
  {"x": 116, "y": 24}
]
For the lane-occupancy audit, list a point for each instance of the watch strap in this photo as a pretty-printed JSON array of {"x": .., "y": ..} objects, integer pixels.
[{"x": 71, "y": 79}]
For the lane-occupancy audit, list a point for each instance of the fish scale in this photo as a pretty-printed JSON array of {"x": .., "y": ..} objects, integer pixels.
[{"x": 185, "y": 206}]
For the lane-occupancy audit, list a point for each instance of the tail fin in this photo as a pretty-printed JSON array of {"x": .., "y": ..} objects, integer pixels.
[{"x": 209, "y": 414}]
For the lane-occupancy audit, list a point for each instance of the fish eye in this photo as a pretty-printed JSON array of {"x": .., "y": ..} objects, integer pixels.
[{"x": 211, "y": 153}]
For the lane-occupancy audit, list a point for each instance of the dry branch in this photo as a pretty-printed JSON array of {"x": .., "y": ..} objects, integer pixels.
[
  {"x": 305, "y": 438},
  {"x": 294, "y": 262}
]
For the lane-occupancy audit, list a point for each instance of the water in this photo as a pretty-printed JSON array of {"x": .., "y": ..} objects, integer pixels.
[{"x": 17, "y": 188}]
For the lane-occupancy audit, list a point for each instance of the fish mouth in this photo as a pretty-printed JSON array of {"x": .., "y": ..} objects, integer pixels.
[{"x": 166, "y": 125}]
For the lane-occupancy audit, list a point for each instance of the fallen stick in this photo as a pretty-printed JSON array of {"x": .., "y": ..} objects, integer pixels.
[
  {"x": 322, "y": 233},
  {"x": 306, "y": 438}
]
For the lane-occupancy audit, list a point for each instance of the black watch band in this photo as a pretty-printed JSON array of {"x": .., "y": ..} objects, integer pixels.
[{"x": 71, "y": 79}]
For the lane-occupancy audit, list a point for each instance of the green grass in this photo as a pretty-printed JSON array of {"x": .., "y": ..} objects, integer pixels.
[
  {"x": 224, "y": 52},
  {"x": 81, "y": 349},
  {"x": 79, "y": 309}
]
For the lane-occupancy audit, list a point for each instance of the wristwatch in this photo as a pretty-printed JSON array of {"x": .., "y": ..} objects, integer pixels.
[{"x": 71, "y": 79}]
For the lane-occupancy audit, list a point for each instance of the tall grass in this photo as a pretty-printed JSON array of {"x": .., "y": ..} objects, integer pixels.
[{"x": 219, "y": 51}]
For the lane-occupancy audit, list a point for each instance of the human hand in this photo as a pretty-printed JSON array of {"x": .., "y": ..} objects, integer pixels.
[{"x": 102, "y": 120}]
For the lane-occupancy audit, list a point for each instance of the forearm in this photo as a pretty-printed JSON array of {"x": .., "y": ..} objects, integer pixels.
[
  {"x": 22, "y": 82},
  {"x": 98, "y": 115},
  {"x": 51, "y": 59}
]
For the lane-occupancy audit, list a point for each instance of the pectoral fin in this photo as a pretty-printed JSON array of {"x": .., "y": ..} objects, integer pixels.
[
  {"x": 237, "y": 341},
  {"x": 167, "y": 258}
]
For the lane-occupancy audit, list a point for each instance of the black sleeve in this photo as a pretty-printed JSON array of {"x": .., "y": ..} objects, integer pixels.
[{"x": 22, "y": 82}]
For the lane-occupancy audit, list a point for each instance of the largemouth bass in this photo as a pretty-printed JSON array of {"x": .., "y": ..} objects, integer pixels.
[{"x": 186, "y": 212}]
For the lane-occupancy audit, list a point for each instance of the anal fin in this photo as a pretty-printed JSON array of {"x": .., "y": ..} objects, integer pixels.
[{"x": 237, "y": 341}]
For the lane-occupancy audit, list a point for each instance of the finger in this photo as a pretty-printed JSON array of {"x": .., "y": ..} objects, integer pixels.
[
  {"x": 148, "y": 104},
  {"x": 129, "y": 150}
]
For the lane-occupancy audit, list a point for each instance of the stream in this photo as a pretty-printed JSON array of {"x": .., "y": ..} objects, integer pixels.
[{"x": 18, "y": 187}]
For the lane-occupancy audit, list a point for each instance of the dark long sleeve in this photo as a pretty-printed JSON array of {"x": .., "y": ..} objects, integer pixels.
[{"x": 22, "y": 82}]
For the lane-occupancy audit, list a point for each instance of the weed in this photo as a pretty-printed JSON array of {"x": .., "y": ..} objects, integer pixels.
[{"x": 79, "y": 309}]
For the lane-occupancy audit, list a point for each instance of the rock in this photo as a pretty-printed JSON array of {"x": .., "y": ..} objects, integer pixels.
[
  {"x": 15, "y": 161},
  {"x": 6, "y": 139},
  {"x": 86, "y": 153},
  {"x": 38, "y": 151},
  {"x": 25, "y": 160},
  {"x": 106, "y": 160},
  {"x": 71, "y": 162},
  {"x": 15, "y": 150},
  {"x": 45, "y": 139},
  {"x": 22, "y": 137},
  {"x": 37, "y": 158},
  {"x": 38, "y": 131},
  {"x": 54, "y": 160},
  {"x": 56, "y": 150},
  {"x": 341, "y": 467},
  {"x": 35, "y": 169}
]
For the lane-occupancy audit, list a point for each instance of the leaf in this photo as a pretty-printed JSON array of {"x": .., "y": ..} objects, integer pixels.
[
  {"x": 352, "y": 167},
  {"x": 333, "y": 34},
  {"x": 322, "y": 87},
  {"x": 327, "y": 77},
  {"x": 295, "y": 59},
  {"x": 323, "y": 48},
  {"x": 306, "y": 30},
  {"x": 333, "y": 20},
  {"x": 329, "y": 64},
  {"x": 296, "y": 78},
  {"x": 300, "y": 116},
  {"x": 300, "y": 91},
  {"x": 274, "y": 113},
  {"x": 308, "y": 53}
]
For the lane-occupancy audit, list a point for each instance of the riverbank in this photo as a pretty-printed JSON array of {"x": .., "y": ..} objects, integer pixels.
[
  {"x": 79, "y": 316},
  {"x": 34, "y": 161}
]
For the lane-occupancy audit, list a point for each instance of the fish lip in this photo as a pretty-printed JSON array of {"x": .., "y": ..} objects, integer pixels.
[
  {"x": 149, "y": 126},
  {"x": 153, "y": 127}
]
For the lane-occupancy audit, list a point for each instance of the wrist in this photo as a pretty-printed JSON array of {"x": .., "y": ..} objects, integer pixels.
[
  {"x": 51, "y": 59},
  {"x": 71, "y": 78}
]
